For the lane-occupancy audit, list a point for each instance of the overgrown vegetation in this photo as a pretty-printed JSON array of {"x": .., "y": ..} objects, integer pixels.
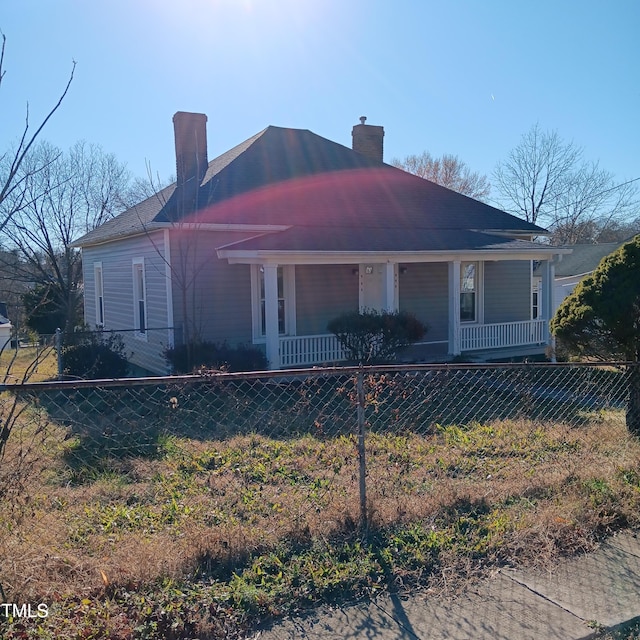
[
  {"x": 372, "y": 336},
  {"x": 24, "y": 433},
  {"x": 187, "y": 358},
  {"x": 90, "y": 354},
  {"x": 191, "y": 532}
]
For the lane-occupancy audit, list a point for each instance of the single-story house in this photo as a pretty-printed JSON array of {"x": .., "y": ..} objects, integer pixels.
[
  {"x": 268, "y": 242},
  {"x": 572, "y": 268}
]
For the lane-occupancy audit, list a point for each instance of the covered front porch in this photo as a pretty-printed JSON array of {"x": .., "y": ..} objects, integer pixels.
[
  {"x": 471, "y": 303},
  {"x": 296, "y": 351}
]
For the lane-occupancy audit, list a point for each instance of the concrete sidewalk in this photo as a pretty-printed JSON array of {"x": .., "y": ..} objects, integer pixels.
[{"x": 568, "y": 602}]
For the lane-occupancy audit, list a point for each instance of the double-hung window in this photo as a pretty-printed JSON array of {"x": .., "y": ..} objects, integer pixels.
[
  {"x": 99, "y": 292},
  {"x": 535, "y": 301},
  {"x": 286, "y": 302},
  {"x": 282, "y": 322},
  {"x": 468, "y": 291},
  {"x": 139, "y": 298}
]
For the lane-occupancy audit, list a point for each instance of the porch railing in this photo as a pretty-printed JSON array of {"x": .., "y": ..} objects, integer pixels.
[
  {"x": 502, "y": 334},
  {"x": 306, "y": 350}
]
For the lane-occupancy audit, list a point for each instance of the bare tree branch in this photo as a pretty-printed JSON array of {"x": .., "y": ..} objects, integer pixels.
[
  {"x": 62, "y": 197},
  {"x": 448, "y": 171},
  {"x": 545, "y": 181},
  {"x": 11, "y": 181}
]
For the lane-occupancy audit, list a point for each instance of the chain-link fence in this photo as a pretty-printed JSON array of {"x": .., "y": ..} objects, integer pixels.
[
  {"x": 129, "y": 480},
  {"x": 123, "y": 419}
]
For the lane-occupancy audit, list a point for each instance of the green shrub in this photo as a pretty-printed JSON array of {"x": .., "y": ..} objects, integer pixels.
[
  {"x": 187, "y": 358},
  {"x": 92, "y": 356},
  {"x": 376, "y": 336}
]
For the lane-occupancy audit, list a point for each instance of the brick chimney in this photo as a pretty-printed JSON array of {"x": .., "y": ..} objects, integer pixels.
[
  {"x": 367, "y": 139},
  {"x": 190, "y": 131}
]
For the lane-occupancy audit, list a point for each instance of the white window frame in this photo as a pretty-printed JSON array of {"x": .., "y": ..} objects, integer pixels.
[
  {"x": 98, "y": 284},
  {"x": 141, "y": 329},
  {"x": 478, "y": 291},
  {"x": 536, "y": 299},
  {"x": 289, "y": 286}
]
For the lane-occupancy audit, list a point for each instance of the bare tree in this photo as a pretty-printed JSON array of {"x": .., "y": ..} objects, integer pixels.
[
  {"x": 546, "y": 181},
  {"x": 590, "y": 205},
  {"x": 62, "y": 197},
  {"x": 12, "y": 290},
  {"x": 617, "y": 231},
  {"x": 534, "y": 175},
  {"x": 12, "y": 180},
  {"x": 448, "y": 171}
]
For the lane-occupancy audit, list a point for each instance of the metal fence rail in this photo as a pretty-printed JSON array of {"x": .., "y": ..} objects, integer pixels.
[
  {"x": 118, "y": 419},
  {"x": 261, "y": 485}
]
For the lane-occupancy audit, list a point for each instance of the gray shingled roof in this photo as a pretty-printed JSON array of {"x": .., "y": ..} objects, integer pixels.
[
  {"x": 138, "y": 219},
  {"x": 296, "y": 178},
  {"x": 383, "y": 240},
  {"x": 584, "y": 258}
]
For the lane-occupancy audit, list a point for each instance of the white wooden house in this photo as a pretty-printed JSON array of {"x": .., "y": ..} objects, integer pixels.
[{"x": 268, "y": 242}]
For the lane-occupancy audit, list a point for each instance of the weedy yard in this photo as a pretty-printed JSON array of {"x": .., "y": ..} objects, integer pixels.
[
  {"x": 205, "y": 533},
  {"x": 32, "y": 363}
]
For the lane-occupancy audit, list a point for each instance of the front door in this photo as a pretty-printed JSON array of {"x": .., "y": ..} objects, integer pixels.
[{"x": 374, "y": 280}]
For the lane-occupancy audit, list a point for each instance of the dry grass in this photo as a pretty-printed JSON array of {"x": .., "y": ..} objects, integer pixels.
[
  {"x": 209, "y": 510},
  {"x": 32, "y": 364}
]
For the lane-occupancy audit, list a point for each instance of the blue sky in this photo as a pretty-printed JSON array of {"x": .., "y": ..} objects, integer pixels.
[{"x": 460, "y": 76}]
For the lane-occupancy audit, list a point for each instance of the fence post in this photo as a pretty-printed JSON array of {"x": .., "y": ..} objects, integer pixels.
[
  {"x": 361, "y": 450},
  {"x": 59, "y": 352}
]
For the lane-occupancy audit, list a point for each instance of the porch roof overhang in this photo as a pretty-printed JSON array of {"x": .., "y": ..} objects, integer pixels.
[
  {"x": 317, "y": 245},
  {"x": 337, "y": 257}
]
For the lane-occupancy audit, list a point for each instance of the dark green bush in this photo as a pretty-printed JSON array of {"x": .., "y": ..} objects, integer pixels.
[
  {"x": 376, "y": 336},
  {"x": 187, "y": 358},
  {"x": 94, "y": 356}
]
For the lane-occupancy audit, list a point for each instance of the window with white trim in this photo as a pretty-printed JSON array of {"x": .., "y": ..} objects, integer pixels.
[
  {"x": 282, "y": 321},
  {"x": 99, "y": 291},
  {"x": 468, "y": 292},
  {"x": 286, "y": 301},
  {"x": 535, "y": 301},
  {"x": 139, "y": 298}
]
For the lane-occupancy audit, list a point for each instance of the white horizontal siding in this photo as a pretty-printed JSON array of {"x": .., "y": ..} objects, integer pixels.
[
  {"x": 507, "y": 291},
  {"x": 117, "y": 267},
  {"x": 323, "y": 292},
  {"x": 211, "y": 294},
  {"x": 424, "y": 291}
]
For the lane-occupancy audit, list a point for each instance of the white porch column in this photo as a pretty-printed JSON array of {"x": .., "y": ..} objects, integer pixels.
[
  {"x": 271, "y": 315},
  {"x": 390, "y": 286},
  {"x": 454, "y": 308},
  {"x": 548, "y": 268}
]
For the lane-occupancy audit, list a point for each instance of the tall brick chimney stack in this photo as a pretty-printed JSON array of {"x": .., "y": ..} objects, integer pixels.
[
  {"x": 190, "y": 131},
  {"x": 368, "y": 139}
]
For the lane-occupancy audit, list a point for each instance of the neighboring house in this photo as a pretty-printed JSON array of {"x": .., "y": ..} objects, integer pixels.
[
  {"x": 572, "y": 268},
  {"x": 5, "y": 327},
  {"x": 268, "y": 242}
]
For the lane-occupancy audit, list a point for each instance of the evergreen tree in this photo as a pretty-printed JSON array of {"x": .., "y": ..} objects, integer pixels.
[{"x": 601, "y": 318}]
